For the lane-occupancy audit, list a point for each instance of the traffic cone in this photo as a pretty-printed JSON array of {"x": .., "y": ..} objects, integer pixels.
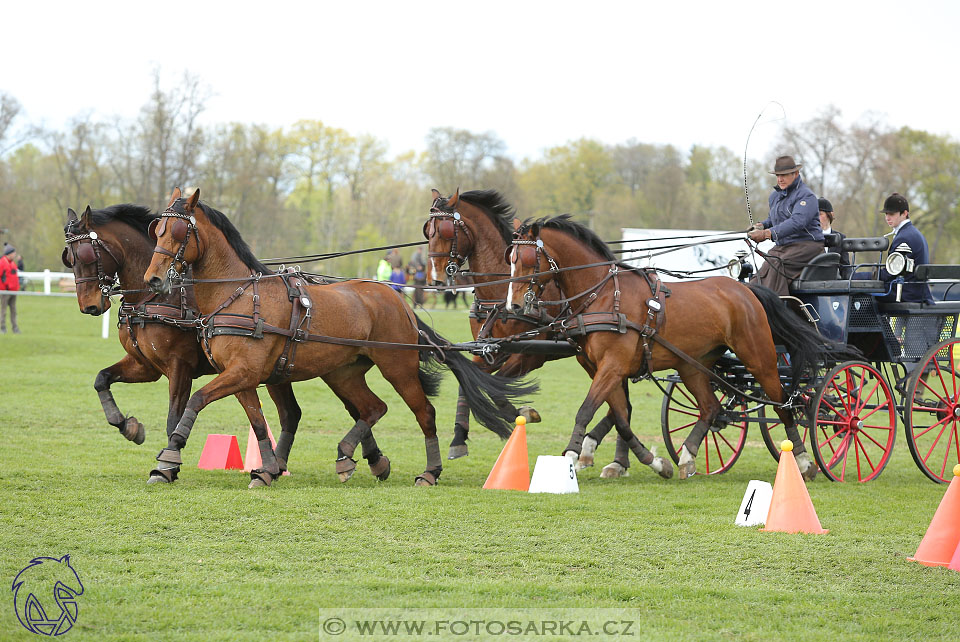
[
  {"x": 791, "y": 510},
  {"x": 939, "y": 546},
  {"x": 512, "y": 470},
  {"x": 220, "y": 452},
  {"x": 252, "y": 460}
]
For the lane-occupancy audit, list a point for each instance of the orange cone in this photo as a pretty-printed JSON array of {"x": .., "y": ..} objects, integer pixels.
[
  {"x": 512, "y": 470},
  {"x": 939, "y": 546},
  {"x": 220, "y": 452},
  {"x": 252, "y": 460},
  {"x": 791, "y": 510}
]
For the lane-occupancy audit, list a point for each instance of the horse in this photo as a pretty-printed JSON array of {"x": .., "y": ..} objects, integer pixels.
[
  {"x": 266, "y": 330},
  {"x": 478, "y": 226},
  {"x": 109, "y": 247},
  {"x": 630, "y": 325}
]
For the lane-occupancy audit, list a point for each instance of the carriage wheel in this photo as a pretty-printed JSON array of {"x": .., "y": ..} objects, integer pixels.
[
  {"x": 932, "y": 416},
  {"x": 853, "y": 423},
  {"x": 720, "y": 449}
]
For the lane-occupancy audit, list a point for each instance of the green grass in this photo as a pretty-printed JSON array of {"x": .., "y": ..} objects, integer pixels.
[{"x": 208, "y": 559}]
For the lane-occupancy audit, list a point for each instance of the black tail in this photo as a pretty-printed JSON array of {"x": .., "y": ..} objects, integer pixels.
[
  {"x": 808, "y": 348},
  {"x": 479, "y": 387}
]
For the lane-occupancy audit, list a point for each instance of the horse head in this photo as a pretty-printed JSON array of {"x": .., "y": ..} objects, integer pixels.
[
  {"x": 449, "y": 239},
  {"x": 178, "y": 241},
  {"x": 93, "y": 260},
  {"x": 531, "y": 264}
]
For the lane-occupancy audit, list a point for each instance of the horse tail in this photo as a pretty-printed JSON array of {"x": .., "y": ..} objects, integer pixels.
[
  {"x": 480, "y": 388},
  {"x": 807, "y": 347}
]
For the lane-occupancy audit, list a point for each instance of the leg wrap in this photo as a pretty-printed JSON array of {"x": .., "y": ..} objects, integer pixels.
[
  {"x": 622, "y": 455},
  {"x": 576, "y": 439},
  {"x": 601, "y": 429},
  {"x": 349, "y": 442},
  {"x": 267, "y": 457},
  {"x": 371, "y": 452},
  {"x": 463, "y": 412},
  {"x": 433, "y": 453},
  {"x": 644, "y": 455},
  {"x": 284, "y": 444},
  {"x": 182, "y": 431},
  {"x": 114, "y": 416},
  {"x": 507, "y": 410},
  {"x": 695, "y": 438}
]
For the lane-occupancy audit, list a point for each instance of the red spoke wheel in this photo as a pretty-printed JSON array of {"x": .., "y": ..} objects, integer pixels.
[
  {"x": 932, "y": 412},
  {"x": 853, "y": 423},
  {"x": 720, "y": 448}
]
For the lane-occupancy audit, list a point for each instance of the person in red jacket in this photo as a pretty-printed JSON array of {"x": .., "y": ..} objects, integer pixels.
[{"x": 9, "y": 282}]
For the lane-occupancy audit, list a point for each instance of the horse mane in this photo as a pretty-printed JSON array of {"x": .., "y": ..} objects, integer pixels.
[
  {"x": 565, "y": 223},
  {"x": 222, "y": 223},
  {"x": 491, "y": 203},
  {"x": 136, "y": 216}
]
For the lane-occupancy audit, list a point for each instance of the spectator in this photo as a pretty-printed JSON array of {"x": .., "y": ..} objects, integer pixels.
[
  {"x": 397, "y": 276},
  {"x": 8, "y": 283},
  {"x": 417, "y": 270},
  {"x": 793, "y": 225}
]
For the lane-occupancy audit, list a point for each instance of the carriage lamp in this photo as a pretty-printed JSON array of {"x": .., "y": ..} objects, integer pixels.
[
  {"x": 739, "y": 268},
  {"x": 898, "y": 263}
]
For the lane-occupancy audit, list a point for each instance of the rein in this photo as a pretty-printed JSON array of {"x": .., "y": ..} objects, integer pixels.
[{"x": 449, "y": 225}]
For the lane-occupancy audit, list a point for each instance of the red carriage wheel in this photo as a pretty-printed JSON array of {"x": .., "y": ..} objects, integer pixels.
[
  {"x": 720, "y": 448},
  {"x": 932, "y": 412},
  {"x": 853, "y": 423}
]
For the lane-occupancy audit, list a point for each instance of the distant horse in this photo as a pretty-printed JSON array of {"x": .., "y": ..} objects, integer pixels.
[
  {"x": 478, "y": 226},
  {"x": 259, "y": 326},
  {"x": 109, "y": 247},
  {"x": 625, "y": 319}
]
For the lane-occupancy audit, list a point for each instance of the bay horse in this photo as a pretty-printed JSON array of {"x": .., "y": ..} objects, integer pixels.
[
  {"x": 477, "y": 226},
  {"x": 624, "y": 319},
  {"x": 109, "y": 247},
  {"x": 281, "y": 326}
]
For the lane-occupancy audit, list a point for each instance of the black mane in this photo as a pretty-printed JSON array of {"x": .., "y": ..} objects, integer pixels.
[
  {"x": 222, "y": 223},
  {"x": 564, "y": 223},
  {"x": 492, "y": 203},
  {"x": 136, "y": 216}
]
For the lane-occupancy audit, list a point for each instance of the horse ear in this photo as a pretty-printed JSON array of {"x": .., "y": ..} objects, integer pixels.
[
  {"x": 516, "y": 224},
  {"x": 435, "y": 194},
  {"x": 85, "y": 217},
  {"x": 452, "y": 201},
  {"x": 71, "y": 215},
  {"x": 194, "y": 199},
  {"x": 174, "y": 196}
]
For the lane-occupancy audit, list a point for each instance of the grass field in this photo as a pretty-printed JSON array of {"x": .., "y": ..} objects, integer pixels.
[{"x": 207, "y": 559}]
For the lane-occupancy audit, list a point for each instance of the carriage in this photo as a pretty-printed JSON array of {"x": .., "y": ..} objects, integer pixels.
[{"x": 907, "y": 374}]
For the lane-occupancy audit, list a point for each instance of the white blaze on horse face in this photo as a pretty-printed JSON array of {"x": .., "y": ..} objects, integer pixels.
[
  {"x": 513, "y": 271},
  {"x": 433, "y": 271}
]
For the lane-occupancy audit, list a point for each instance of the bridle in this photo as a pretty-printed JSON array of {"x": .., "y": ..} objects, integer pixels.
[
  {"x": 528, "y": 252},
  {"x": 449, "y": 225},
  {"x": 88, "y": 248},
  {"x": 181, "y": 230}
]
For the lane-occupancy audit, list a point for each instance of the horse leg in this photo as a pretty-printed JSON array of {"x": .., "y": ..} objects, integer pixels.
[
  {"x": 366, "y": 409},
  {"x": 127, "y": 370},
  {"x": 226, "y": 383},
  {"x": 402, "y": 375},
  {"x": 698, "y": 385},
  {"x": 617, "y": 401},
  {"x": 461, "y": 428},
  {"x": 621, "y": 460},
  {"x": 270, "y": 468},
  {"x": 604, "y": 381},
  {"x": 289, "y": 411}
]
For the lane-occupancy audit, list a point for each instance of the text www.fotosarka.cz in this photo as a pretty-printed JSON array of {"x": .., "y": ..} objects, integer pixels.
[{"x": 477, "y": 624}]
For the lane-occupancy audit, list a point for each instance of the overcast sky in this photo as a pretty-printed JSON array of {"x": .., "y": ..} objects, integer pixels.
[{"x": 537, "y": 74}]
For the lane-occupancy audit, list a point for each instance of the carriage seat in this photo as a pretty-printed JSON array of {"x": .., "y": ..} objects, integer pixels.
[{"x": 935, "y": 272}]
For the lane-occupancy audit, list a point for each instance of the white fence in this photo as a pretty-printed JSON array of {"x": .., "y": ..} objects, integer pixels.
[{"x": 48, "y": 278}]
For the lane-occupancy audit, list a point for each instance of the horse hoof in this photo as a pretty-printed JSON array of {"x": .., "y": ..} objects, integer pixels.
[
  {"x": 158, "y": 479},
  {"x": 687, "y": 470},
  {"x": 585, "y": 461},
  {"x": 663, "y": 467},
  {"x": 260, "y": 478},
  {"x": 345, "y": 468},
  {"x": 133, "y": 430},
  {"x": 530, "y": 414},
  {"x": 808, "y": 469},
  {"x": 456, "y": 452},
  {"x": 381, "y": 469},
  {"x": 163, "y": 476},
  {"x": 574, "y": 457},
  {"x": 256, "y": 483},
  {"x": 426, "y": 478},
  {"x": 613, "y": 470}
]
